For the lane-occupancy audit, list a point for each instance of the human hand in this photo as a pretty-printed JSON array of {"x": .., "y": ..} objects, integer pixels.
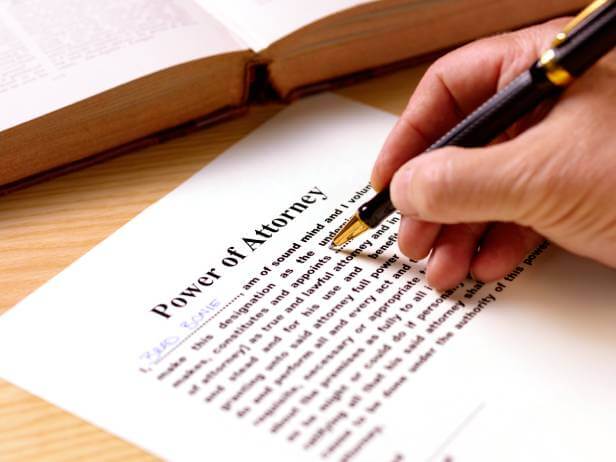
[{"x": 481, "y": 210}]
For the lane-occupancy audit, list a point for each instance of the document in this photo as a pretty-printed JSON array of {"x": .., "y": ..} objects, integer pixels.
[{"x": 220, "y": 325}]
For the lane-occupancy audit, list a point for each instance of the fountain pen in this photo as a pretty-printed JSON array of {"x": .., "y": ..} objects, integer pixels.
[{"x": 584, "y": 40}]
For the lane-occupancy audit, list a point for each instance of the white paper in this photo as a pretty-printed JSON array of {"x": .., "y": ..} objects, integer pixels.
[
  {"x": 54, "y": 52},
  {"x": 262, "y": 22},
  {"x": 528, "y": 373}
]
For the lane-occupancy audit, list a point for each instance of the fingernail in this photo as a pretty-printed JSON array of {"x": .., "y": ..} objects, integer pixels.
[{"x": 400, "y": 190}]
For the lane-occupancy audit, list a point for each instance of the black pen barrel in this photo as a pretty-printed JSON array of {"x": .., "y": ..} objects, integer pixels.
[
  {"x": 500, "y": 111},
  {"x": 376, "y": 209},
  {"x": 585, "y": 47}
]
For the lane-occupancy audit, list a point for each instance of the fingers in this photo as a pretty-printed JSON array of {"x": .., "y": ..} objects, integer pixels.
[
  {"x": 502, "y": 249},
  {"x": 416, "y": 238},
  {"x": 488, "y": 253},
  {"x": 453, "y": 252},
  {"x": 455, "y": 186},
  {"x": 454, "y": 86}
]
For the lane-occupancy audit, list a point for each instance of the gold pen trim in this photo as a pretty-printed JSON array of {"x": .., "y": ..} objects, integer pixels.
[
  {"x": 557, "y": 74},
  {"x": 590, "y": 9},
  {"x": 352, "y": 229}
]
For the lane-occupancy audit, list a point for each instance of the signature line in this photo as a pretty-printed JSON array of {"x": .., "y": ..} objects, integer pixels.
[{"x": 177, "y": 345}]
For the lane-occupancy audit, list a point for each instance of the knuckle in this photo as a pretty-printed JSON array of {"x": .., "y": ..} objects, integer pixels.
[
  {"x": 439, "y": 65},
  {"x": 444, "y": 65}
]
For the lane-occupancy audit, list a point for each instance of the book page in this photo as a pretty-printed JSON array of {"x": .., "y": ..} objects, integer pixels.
[
  {"x": 219, "y": 325},
  {"x": 262, "y": 22},
  {"x": 54, "y": 52}
]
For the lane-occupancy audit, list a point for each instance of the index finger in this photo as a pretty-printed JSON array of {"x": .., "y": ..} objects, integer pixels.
[{"x": 453, "y": 87}]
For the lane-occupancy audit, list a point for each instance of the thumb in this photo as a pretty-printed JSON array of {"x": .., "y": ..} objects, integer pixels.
[{"x": 458, "y": 185}]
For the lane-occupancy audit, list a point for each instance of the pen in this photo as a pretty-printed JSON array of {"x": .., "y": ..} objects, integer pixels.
[{"x": 584, "y": 40}]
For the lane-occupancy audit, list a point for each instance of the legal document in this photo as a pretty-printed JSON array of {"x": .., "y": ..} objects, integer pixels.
[{"x": 219, "y": 325}]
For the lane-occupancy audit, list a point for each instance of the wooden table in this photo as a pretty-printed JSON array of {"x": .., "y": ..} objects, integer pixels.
[{"x": 45, "y": 228}]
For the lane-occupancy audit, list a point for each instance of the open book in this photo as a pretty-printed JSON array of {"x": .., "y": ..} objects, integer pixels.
[{"x": 87, "y": 78}]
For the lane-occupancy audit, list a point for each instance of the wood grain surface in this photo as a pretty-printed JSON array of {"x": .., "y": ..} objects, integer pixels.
[{"x": 45, "y": 228}]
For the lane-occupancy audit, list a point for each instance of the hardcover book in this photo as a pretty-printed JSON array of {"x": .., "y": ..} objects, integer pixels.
[{"x": 84, "y": 80}]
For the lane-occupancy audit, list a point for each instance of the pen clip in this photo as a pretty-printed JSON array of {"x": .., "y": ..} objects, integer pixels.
[
  {"x": 563, "y": 35},
  {"x": 548, "y": 61}
]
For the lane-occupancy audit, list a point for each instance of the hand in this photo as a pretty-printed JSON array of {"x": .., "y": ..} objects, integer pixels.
[{"x": 481, "y": 210}]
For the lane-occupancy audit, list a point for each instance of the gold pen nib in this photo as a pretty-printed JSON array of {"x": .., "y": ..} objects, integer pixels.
[{"x": 352, "y": 229}]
